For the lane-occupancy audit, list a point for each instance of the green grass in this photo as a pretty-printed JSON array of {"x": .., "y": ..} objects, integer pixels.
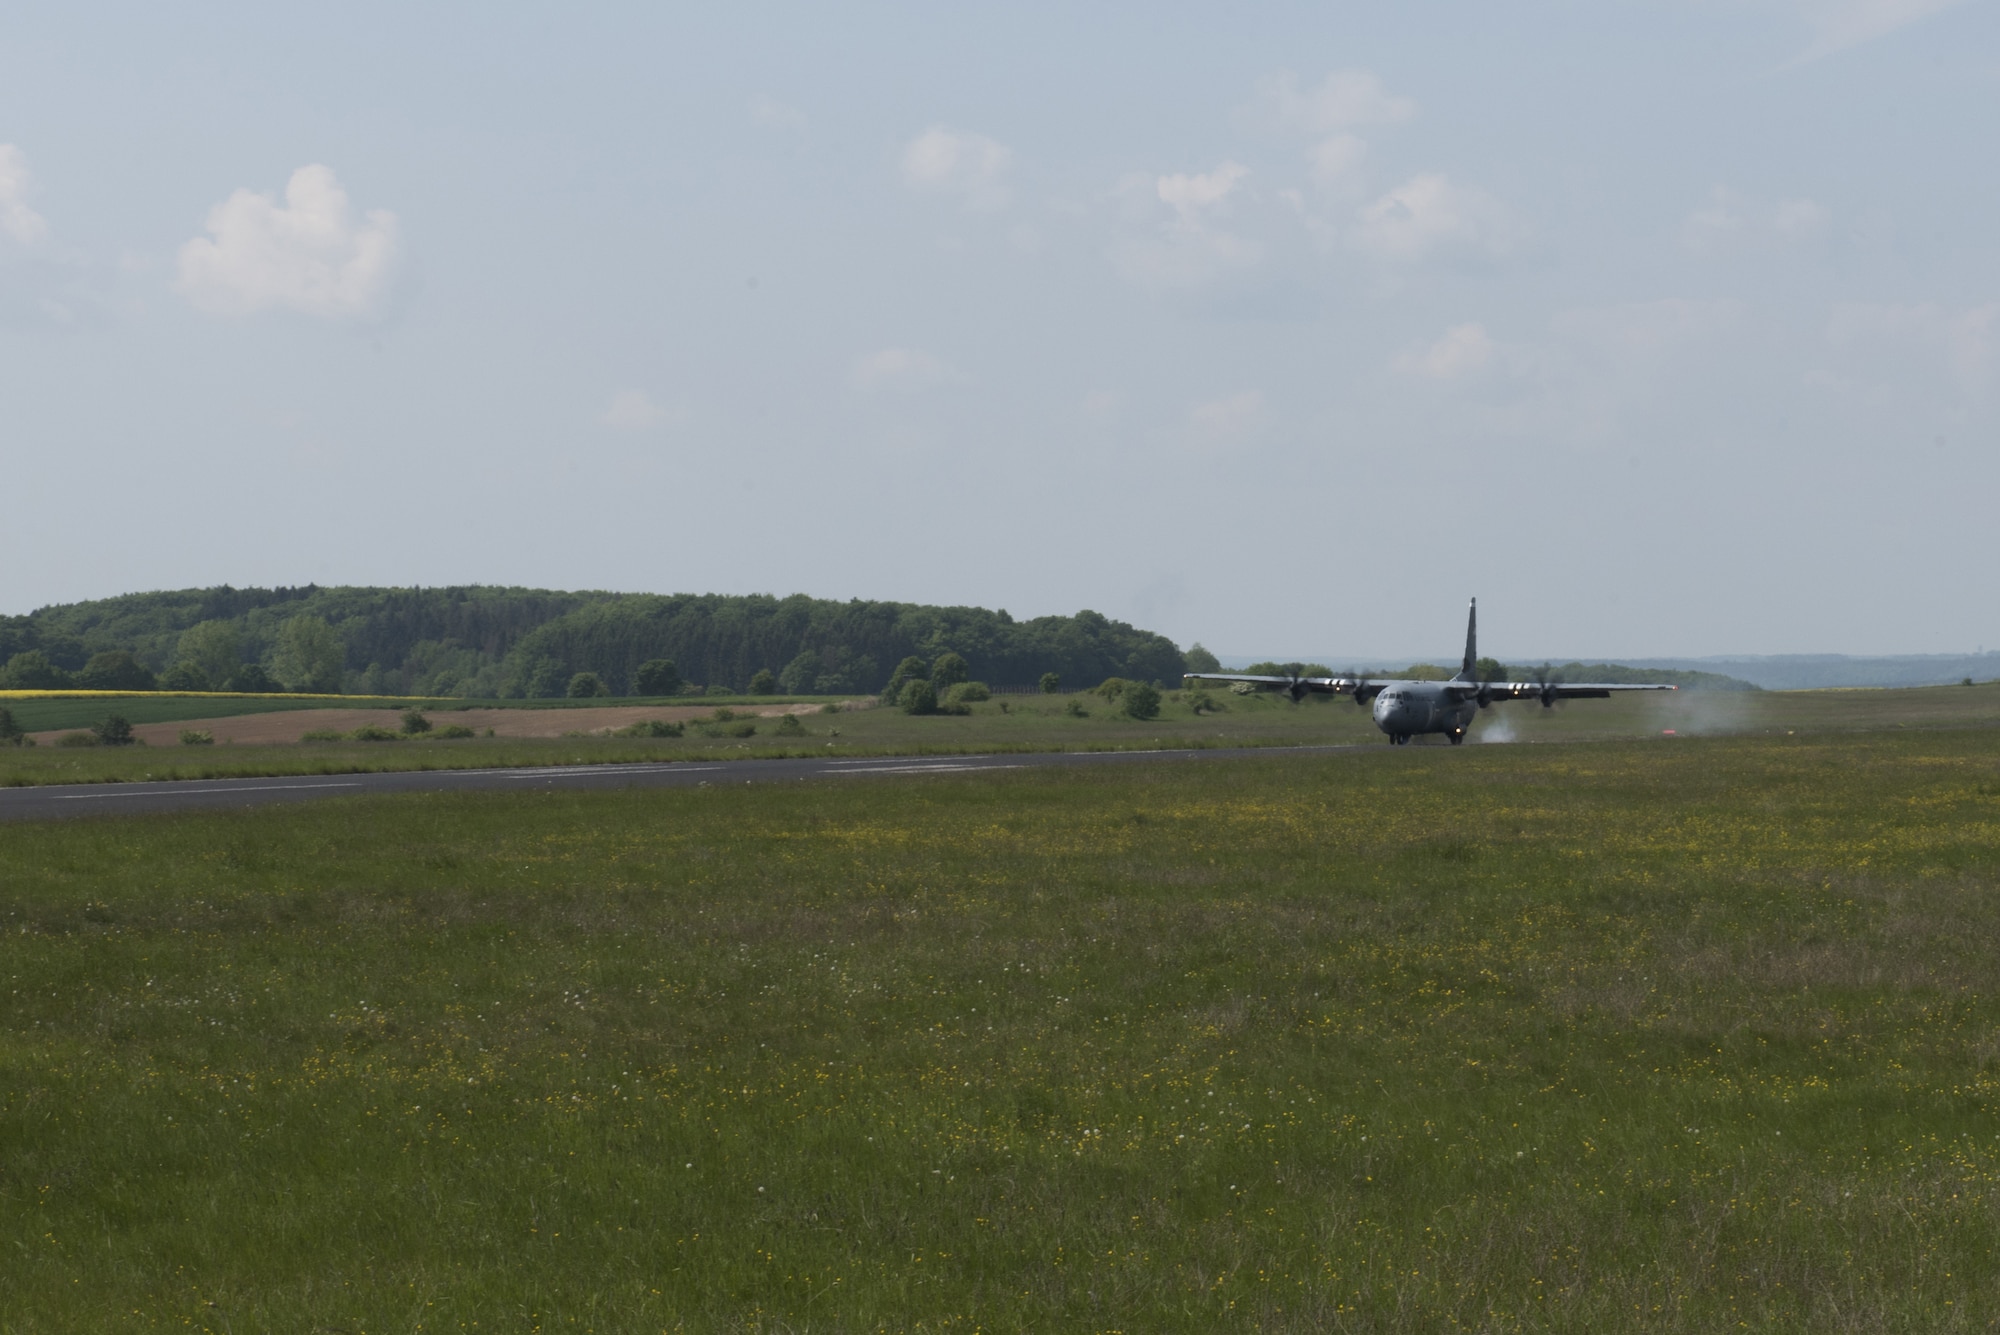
[
  {"x": 1581, "y": 1037},
  {"x": 1038, "y": 723},
  {"x": 49, "y": 712}
]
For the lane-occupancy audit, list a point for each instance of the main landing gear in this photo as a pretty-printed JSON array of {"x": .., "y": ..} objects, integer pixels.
[
  {"x": 1457, "y": 736},
  {"x": 1399, "y": 739}
]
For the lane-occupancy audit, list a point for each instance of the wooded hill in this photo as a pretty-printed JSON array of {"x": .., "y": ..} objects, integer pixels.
[{"x": 487, "y": 642}]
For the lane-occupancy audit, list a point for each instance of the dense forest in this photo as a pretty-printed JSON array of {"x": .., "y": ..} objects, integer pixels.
[{"x": 487, "y": 642}]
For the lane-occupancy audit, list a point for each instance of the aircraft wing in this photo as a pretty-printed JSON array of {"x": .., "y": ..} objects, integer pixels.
[
  {"x": 1554, "y": 690},
  {"x": 1298, "y": 687}
]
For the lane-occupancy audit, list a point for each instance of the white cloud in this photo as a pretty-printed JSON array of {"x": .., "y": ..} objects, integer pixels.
[
  {"x": 17, "y": 220},
  {"x": 1190, "y": 194},
  {"x": 1188, "y": 250},
  {"x": 970, "y": 166},
  {"x": 1840, "y": 24},
  {"x": 308, "y": 254},
  {"x": 633, "y": 410},
  {"x": 902, "y": 369},
  {"x": 1463, "y": 350},
  {"x": 1428, "y": 216},
  {"x": 1728, "y": 220},
  {"x": 1336, "y": 161},
  {"x": 1345, "y": 98}
]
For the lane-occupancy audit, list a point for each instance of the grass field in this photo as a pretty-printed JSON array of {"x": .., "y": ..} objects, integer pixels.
[
  {"x": 1611, "y": 1035},
  {"x": 43, "y": 711},
  {"x": 1039, "y": 723}
]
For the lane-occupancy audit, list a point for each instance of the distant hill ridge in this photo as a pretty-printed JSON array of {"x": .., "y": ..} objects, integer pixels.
[
  {"x": 492, "y": 642},
  {"x": 1803, "y": 672}
]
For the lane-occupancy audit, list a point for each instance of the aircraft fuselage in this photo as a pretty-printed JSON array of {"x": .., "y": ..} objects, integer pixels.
[
  {"x": 1404, "y": 708},
  {"x": 1407, "y": 709}
]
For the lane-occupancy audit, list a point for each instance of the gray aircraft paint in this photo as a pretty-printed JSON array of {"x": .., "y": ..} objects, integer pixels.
[{"x": 1404, "y": 709}]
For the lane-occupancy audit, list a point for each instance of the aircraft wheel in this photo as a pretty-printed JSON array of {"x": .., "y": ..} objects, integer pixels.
[{"x": 1458, "y": 737}]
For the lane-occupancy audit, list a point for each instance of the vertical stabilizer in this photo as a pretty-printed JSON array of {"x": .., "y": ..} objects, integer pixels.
[{"x": 1465, "y": 669}]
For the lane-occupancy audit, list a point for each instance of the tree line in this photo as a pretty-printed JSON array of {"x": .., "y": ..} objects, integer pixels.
[{"x": 493, "y": 642}]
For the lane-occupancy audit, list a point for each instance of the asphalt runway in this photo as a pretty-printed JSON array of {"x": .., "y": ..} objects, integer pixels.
[{"x": 131, "y": 799}]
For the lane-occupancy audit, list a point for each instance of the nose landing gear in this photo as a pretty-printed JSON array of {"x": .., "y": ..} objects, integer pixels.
[{"x": 1457, "y": 736}]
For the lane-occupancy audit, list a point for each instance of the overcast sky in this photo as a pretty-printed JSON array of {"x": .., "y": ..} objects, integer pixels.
[{"x": 1664, "y": 328}]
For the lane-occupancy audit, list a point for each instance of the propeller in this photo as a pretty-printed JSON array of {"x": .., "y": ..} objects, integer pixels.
[
  {"x": 1546, "y": 682},
  {"x": 1298, "y": 689}
]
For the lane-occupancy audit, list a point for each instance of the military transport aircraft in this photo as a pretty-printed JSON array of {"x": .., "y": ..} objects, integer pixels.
[{"x": 1403, "y": 709}]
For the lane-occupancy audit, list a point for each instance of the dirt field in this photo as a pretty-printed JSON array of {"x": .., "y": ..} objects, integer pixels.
[{"x": 266, "y": 729}]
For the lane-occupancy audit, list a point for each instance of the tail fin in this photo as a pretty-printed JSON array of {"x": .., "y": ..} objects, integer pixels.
[{"x": 1465, "y": 669}]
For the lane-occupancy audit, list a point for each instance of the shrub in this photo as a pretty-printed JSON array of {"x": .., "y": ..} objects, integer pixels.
[
  {"x": 717, "y": 688},
  {"x": 184, "y": 677},
  {"x": 31, "y": 670},
  {"x": 196, "y": 737},
  {"x": 799, "y": 676},
  {"x": 77, "y": 739},
  {"x": 251, "y": 679},
  {"x": 10, "y": 731},
  {"x": 654, "y": 727},
  {"x": 724, "y": 714},
  {"x": 972, "y": 692},
  {"x": 765, "y": 682},
  {"x": 309, "y": 655},
  {"x": 1141, "y": 700},
  {"x": 213, "y": 649},
  {"x": 743, "y": 729},
  {"x": 790, "y": 726},
  {"x": 906, "y": 671},
  {"x": 323, "y": 735},
  {"x": 949, "y": 671},
  {"x": 115, "y": 730},
  {"x": 1051, "y": 683},
  {"x": 1111, "y": 687},
  {"x": 1075, "y": 708},
  {"x": 1204, "y": 703},
  {"x": 414, "y": 722},
  {"x": 451, "y": 732},
  {"x": 115, "y": 670},
  {"x": 657, "y": 676},
  {"x": 1199, "y": 659},
  {"x": 542, "y": 679},
  {"x": 829, "y": 708},
  {"x": 371, "y": 733},
  {"x": 585, "y": 685},
  {"x": 918, "y": 697}
]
